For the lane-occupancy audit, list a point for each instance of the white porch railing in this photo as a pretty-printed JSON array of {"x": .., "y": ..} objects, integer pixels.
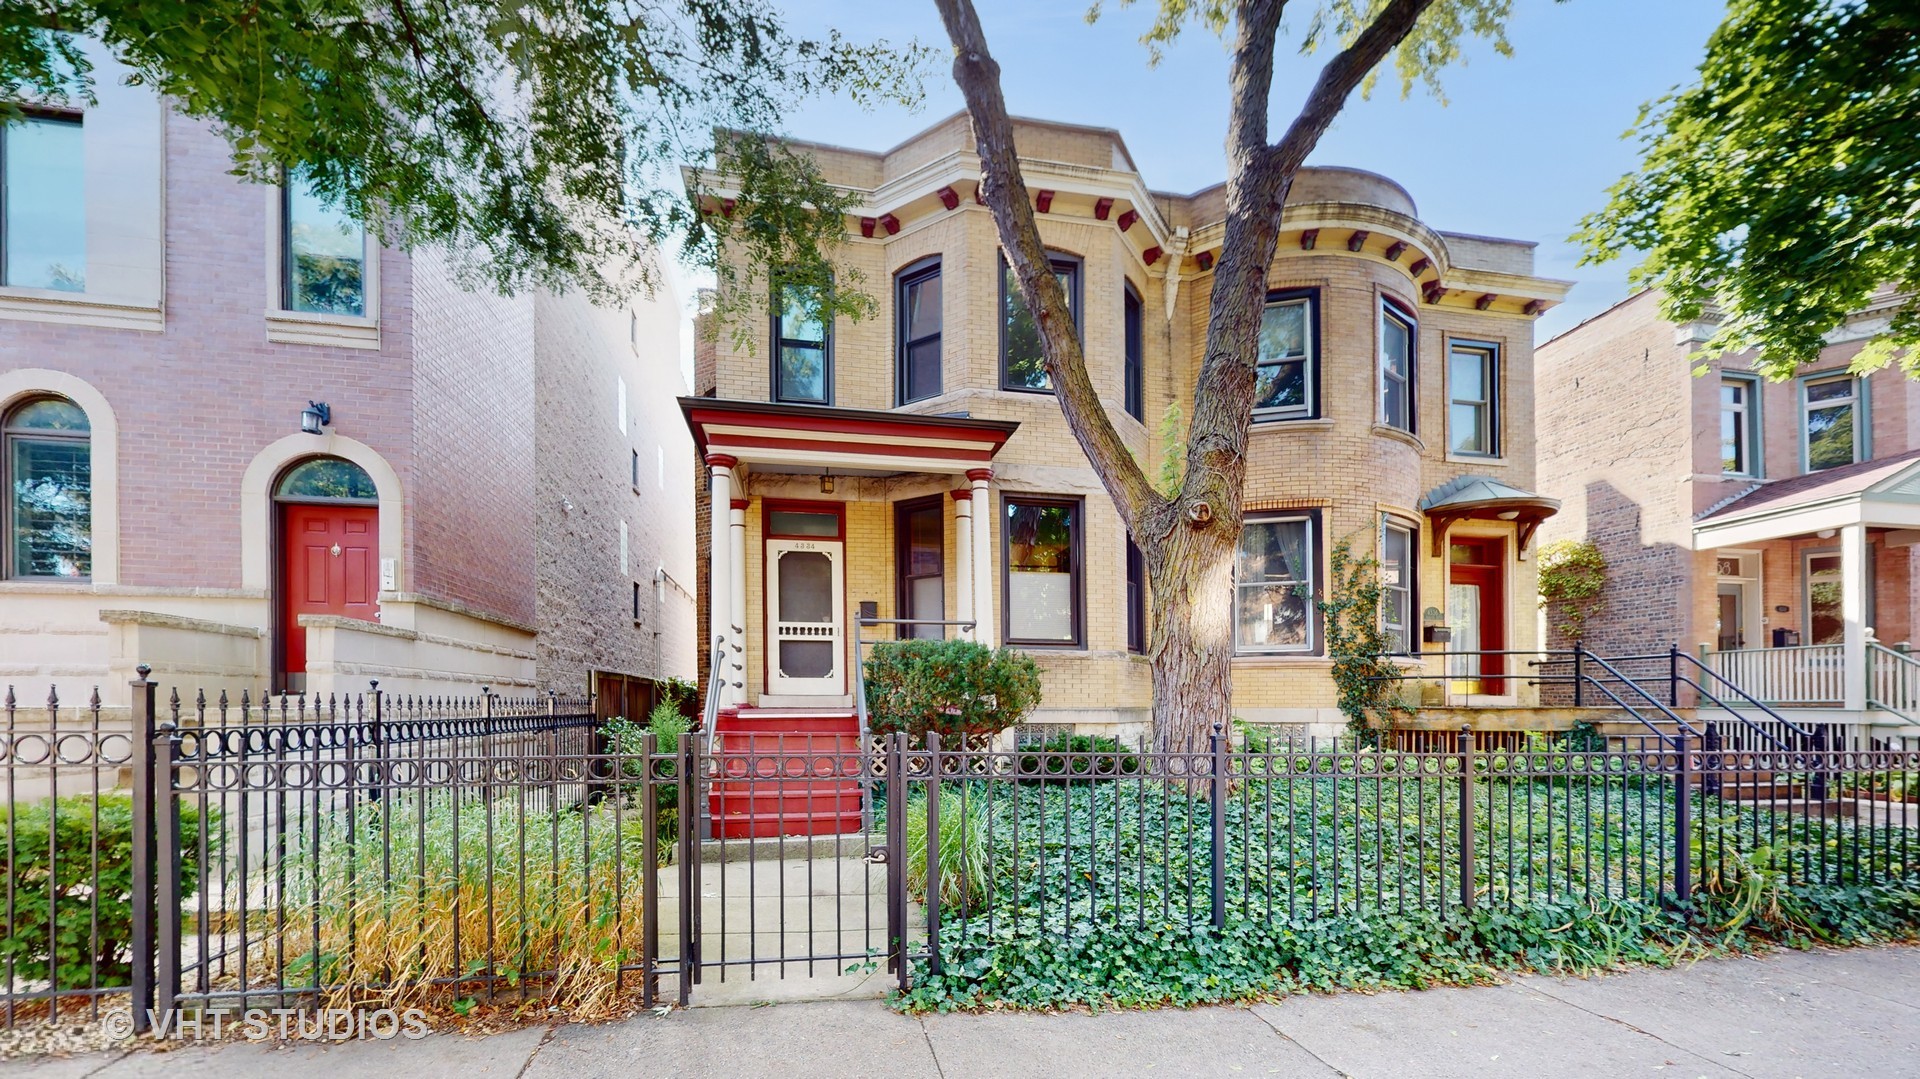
[
  {"x": 1893, "y": 681},
  {"x": 1810, "y": 674}
]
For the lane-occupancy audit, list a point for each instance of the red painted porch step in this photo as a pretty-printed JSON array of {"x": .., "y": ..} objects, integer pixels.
[{"x": 779, "y": 773}]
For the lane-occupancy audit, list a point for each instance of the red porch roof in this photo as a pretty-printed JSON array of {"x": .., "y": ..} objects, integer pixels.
[{"x": 843, "y": 437}]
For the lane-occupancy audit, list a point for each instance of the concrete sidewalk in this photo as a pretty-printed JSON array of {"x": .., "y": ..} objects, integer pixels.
[{"x": 1852, "y": 1013}]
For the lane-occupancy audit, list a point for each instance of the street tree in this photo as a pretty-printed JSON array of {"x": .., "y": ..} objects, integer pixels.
[
  {"x": 1780, "y": 193},
  {"x": 537, "y": 141},
  {"x": 1188, "y": 532}
]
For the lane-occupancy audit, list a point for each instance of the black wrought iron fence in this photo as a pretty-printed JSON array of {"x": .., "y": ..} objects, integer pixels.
[
  {"x": 288, "y": 852},
  {"x": 1061, "y": 844}
]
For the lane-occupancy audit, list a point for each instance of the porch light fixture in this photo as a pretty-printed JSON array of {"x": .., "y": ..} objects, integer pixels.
[
  {"x": 315, "y": 416},
  {"x": 1825, "y": 533},
  {"x": 1510, "y": 515},
  {"x": 826, "y": 482}
]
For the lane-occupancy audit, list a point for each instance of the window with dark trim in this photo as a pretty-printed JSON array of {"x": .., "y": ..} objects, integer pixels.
[
  {"x": 1136, "y": 363},
  {"x": 802, "y": 347},
  {"x": 1023, "y": 366},
  {"x": 1136, "y": 598},
  {"x": 1399, "y": 584},
  {"x": 1041, "y": 577},
  {"x": 1830, "y": 415},
  {"x": 1397, "y": 366},
  {"x": 46, "y": 472},
  {"x": 1276, "y": 575},
  {"x": 323, "y": 254},
  {"x": 636, "y": 601},
  {"x": 43, "y": 220},
  {"x": 917, "y": 313},
  {"x": 1740, "y": 453},
  {"x": 1473, "y": 399},
  {"x": 1288, "y": 362},
  {"x": 636, "y": 469},
  {"x": 920, "y": 564}
]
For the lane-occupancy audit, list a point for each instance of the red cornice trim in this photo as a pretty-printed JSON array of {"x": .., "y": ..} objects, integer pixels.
[
  {"x": 864, "y": 449},
  {"x": 772, "y": 419}
]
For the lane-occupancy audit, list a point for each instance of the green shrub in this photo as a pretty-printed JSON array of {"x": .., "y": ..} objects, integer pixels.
[
  {"x": 964, "y": 883},
  {"x": 1105, "y": 758},
  {"x": 86, "y": 875},
  {"x": 958, "y": 688},
  {"x": 625, "y": 739}
]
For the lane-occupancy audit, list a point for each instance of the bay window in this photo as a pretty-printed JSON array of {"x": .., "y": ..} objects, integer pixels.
[
  {"x": 1041, "y": 577},
  {"x": 1399, "y": 574},
  {"x": 1273, "y": 584},
  {"x": 1396, "y": 367},
  {"x": 1023, "y": 366},
  {"x": 1285, "y": 366}
]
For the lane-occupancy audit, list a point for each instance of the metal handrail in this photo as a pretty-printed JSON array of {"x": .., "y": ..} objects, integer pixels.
[{"x": 716, "y": 681}]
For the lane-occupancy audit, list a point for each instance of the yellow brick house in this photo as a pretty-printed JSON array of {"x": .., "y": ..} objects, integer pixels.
[{"x": 915, "y": 464}]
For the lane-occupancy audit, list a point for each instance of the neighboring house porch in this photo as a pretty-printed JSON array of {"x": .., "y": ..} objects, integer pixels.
[{"x": 1814, "y": 594}]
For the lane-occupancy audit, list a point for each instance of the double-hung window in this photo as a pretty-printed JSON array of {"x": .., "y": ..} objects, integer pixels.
[
  {"x": 1739, "y": 426},
  {"x": 802, "y": 346},
  {"x": 1042, "y": 582},
  {"x": 323, "y": 254},
  {"x": 1136, "y": 598},
  {"x": 46, "y": 472},
  {"x": 1136, "y": 362},
  {"x": 918, "y": 315},
  {"x": 1285, "y": 367},
  {"x": 1832, "y": 421},
  {"x": 1398, "y": 584},
  {"x": 1023, "y": 366},
  {"x": 1473, "y": 399},
  {"x": 1273, "y": 586},
  {"x": 43, "y": 223},
  {"x": 1396, "y": 367}
]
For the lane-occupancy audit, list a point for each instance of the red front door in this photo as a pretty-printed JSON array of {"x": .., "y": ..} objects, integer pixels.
[
  {"x": 1476, "y": 610},
  {"x": 330, "y": 564}
]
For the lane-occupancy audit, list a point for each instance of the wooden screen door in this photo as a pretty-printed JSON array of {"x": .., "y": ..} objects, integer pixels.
[
  {"x": 329, "y": 564},
  {"x": 1476, "y": 613},
  {"x": 806, "y": 617}
]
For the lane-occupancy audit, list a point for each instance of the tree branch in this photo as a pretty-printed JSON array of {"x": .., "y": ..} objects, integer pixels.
[
  {"x": 1340, "y": 76},
  {"x": 978, "y": 77}
]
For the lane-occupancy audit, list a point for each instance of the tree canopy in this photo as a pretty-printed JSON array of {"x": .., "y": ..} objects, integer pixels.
[
  {"x": 1781, "y": 192},
  {"x": 538, "y": 141}
]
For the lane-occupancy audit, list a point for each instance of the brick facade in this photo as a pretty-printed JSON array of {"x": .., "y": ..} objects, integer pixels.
[
  {"x": 472, "y": 402},
  {"x": 1343, "y": 462}
]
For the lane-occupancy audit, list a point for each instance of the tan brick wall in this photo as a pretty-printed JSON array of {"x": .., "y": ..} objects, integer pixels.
[{"x": 1342, "y": 460}]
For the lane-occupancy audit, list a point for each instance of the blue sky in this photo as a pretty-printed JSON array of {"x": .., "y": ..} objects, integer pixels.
[{"x": 1524, "y": 147}]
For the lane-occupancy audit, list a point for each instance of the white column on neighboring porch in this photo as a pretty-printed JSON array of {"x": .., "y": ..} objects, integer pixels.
[
  {"x": 1853, "y": 615},
  {"x": 963, "y": 558},
  {"x": 720, "y": 574},
  {"x": 983, "y": 578},
  {"x": 737, "y": 588}
]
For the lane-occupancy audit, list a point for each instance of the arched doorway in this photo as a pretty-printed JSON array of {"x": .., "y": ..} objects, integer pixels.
[{"x": 327, "y": 515}]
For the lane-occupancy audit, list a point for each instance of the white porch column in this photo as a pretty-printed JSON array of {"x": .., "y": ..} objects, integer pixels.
[
  {"x": 720, "y": 574},
  {"x": 737, "y": 589},
  {"x": 963, "y": 559},
  {"x": 983, "y": 577},
  {"x": 1853, "y": 614}
]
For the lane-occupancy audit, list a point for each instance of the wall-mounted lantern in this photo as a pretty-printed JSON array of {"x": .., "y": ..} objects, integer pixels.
[{"x": 315, "y": 416}]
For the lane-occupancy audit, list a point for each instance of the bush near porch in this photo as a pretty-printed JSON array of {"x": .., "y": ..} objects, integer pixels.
[{"x": 961, "y": 689}]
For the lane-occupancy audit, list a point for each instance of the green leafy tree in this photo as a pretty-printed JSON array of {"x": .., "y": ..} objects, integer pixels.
[
  {"x": 538, "y": 140},
  {"x": 1364, "y": 675},
  {"x": 1188, "y": 533},
  {"x": 1777, "y": 194}
]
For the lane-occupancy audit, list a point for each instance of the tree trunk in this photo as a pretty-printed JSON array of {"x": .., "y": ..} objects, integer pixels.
[{"x": 1188, "y": 538}]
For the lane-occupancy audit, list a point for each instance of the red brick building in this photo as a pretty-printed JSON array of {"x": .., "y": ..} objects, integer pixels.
[{"x": 495, "y": 492}]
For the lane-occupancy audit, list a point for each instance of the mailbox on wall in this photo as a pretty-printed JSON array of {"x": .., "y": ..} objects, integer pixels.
[{"x": 1786, "y": 638}]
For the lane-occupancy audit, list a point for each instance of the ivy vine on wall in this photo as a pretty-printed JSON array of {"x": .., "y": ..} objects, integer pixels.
[
  {"x": 1364, "y": 673},
  {"x": 1573, "y": 584}
]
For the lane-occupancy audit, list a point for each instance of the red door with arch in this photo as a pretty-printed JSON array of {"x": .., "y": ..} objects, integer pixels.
[{"x": 329, "y": 554}]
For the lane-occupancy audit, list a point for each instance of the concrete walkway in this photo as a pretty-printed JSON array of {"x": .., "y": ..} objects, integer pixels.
[{"x": 1841, "y": 1013}]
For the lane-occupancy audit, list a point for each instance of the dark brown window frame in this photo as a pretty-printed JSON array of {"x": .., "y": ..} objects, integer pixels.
[
  {"x": 1311, "y": 362},
  {"x": 1059, "y": 261},
  {"x": 1133, "y": 340},
  {"x": 914, "y": 273},
  {"x": 8, "y": 435},
  {"x": 1393, "y": 308},
  {"x": 825, "y": 345},
  {"x": 1078, "y": 556},
  {"x": 902, "y": 539}
]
